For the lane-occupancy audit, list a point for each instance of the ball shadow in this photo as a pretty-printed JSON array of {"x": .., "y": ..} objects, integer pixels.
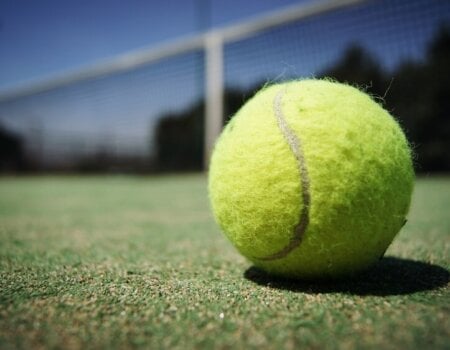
[{"x": 390, "y": 276}]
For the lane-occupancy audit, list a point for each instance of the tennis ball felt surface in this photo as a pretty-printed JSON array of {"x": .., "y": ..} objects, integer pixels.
[{"x": 311, "y": 179}]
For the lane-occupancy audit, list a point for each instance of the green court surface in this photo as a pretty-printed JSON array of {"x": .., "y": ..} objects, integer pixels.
[{"x": 138, "y": 262}]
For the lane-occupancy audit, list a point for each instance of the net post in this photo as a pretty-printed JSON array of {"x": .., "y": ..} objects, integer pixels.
[{"x": 214, "y": 86}]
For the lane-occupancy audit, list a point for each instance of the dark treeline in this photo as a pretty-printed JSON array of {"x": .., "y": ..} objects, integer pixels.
[
  {"x": 11, "y": 152},
  {"x": 179, "y": 140},
  {"x": 416, "y": 93}
]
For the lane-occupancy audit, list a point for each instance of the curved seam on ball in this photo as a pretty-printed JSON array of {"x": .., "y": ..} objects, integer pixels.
[{"x": 295, "y": 145}]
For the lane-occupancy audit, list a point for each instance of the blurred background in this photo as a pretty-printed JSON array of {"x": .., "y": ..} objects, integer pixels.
[{"x": 109, "y": 86}]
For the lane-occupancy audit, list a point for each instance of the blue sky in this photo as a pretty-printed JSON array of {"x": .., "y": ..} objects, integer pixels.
[{"x": 39, "y": 38}]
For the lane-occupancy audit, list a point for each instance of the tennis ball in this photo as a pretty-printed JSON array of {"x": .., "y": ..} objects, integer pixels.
[{"x": 311, "y": 179}]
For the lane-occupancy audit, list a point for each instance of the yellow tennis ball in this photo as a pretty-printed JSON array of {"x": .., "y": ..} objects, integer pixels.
[{"x": 311, "y": 179}]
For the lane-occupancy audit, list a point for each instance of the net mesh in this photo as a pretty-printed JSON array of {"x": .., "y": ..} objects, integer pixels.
[{"x": 152, "y": 117}]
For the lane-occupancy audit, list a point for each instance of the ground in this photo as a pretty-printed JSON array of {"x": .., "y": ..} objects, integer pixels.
[{"x": 138, "y": 262}]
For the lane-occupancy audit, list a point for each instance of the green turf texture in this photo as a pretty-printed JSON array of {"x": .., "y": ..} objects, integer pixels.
[
  {"x": 315, "y": 175},
  {"x": 138, "y": 262}
]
